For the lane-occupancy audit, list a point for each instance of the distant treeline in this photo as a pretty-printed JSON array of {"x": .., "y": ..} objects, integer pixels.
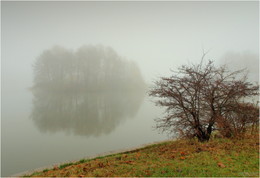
[{"x": 90, "y": 68}]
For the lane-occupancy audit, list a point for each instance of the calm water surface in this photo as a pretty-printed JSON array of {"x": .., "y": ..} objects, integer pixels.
[{"x": 43, "y": 128}]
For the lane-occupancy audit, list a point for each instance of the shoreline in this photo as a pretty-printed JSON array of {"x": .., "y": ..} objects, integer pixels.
[{"x": 89, "y": 157}]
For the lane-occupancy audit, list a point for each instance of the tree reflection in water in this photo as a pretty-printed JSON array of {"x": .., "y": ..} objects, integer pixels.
[{"x": 69, "y": 98}]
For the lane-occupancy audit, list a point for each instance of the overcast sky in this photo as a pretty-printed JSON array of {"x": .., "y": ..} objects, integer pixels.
[{"x": 157, "y": 35}]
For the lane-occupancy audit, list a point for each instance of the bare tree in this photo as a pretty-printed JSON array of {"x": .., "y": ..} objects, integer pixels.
[
  {"x": 238, "y": 119},
  {"x": 196, "y": 96}
]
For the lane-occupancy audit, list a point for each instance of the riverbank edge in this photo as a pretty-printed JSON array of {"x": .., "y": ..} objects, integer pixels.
[{"x": 119, "y": 151}]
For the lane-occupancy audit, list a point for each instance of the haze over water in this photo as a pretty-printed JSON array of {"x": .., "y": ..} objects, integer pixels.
[{"x": 96, "y": 61}]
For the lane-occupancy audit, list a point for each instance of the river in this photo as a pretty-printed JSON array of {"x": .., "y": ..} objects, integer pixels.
[{"x": 44, "y": 129}]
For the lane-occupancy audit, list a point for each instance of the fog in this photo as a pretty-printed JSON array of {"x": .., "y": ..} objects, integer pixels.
[
  {"x": 89, "y": 69},
  {"x": 86, "y": 114},
  {"x": 75, "y": 73},
  {"x": 246, "y": 60},
  {"x": 86, "y": 92},
  {"x": 157, "y": 35}
]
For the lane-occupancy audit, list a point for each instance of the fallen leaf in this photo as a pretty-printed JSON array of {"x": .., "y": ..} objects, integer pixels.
[
  {"x": 182, "y": 157},
  {"x": 221, "y": 165},
  {"x": 182, "y": 153},
  {"x": 128, "y": 162}
]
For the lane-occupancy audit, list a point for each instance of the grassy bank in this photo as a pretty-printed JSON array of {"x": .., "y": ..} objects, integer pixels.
[{"x": 218, "y": 157}]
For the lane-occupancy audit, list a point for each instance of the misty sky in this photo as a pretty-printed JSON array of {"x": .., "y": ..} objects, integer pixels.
[{"x": 157, "y": 35}]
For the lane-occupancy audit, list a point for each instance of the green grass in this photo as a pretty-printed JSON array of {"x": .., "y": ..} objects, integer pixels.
[
  {"x": 182, "y": 158},
  {"x": 65, "y": 165},
  {"x": 45, "y": 170},
  {"x": 82, "y": 161}
]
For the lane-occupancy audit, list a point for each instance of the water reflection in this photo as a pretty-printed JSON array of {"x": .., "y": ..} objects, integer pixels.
[
  {"x": 83, "y": 113},
  {"x": 67, "y": 99}
]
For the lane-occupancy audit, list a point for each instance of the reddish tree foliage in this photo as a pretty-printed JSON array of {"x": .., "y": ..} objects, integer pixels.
[{"x": 196, "y": 96}]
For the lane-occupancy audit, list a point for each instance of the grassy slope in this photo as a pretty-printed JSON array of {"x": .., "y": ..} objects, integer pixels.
[{"x": 218, "y": 157}]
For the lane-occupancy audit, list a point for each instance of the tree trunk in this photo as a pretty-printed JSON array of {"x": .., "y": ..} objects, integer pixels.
[
  {"x": 203, "y": 135},
  {"x": 203, "y": 138}
]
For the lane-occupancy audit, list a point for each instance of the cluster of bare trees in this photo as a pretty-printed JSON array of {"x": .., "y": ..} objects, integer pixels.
[
  {"x": 87, "y": 92},
  {"x": 90, "y": 68},
  {"x": 200, "y": 98}
]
